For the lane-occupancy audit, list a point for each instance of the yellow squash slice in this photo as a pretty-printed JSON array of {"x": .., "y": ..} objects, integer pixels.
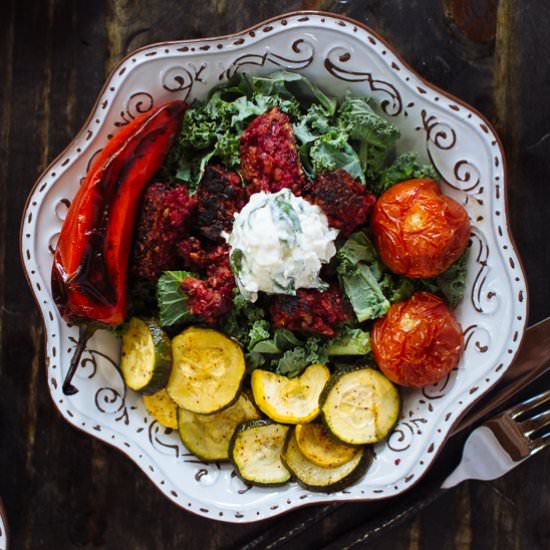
[
  {"x": 290, "y": 400},
  {"x": 318, "y": 445},
  {"x": 162, "y": 408},
  {"x": 207, "y": 370},
  {"x": 317, "y": 478}
]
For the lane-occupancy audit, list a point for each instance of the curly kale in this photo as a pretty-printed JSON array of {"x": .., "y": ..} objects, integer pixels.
[{"x": 404, "y": 167}]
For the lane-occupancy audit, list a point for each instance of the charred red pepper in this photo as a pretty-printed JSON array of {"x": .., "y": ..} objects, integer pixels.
[
  {"x": 90, "y": 266},
  {"x": 91, "y": 259}
]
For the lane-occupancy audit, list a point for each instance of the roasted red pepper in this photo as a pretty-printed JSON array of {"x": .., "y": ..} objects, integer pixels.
[{"x": 90, "y": 264}]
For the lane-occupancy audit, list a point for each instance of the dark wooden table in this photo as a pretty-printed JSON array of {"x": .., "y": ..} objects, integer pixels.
[{"x": 62, "y": 489}]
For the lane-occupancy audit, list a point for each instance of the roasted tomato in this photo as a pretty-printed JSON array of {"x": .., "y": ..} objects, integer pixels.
[
  {"x": 418, "y": 342},
  {"x": 419, "y": 231}
]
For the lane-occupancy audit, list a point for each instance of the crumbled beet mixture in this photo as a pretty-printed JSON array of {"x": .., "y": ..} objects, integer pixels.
[
  {"x": 345, "y": 201},
  {"x": 210, "y": 297},
  {"x": 164, "y": 221},
  {"x": 269, "y": 155},
  {"x": 198, "y": 259},
  {"x": 311, "y": 311},
  {"x": 220, "y": 195}
]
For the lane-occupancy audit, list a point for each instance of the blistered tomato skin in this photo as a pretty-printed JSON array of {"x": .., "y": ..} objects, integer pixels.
[
  {"x": 418, "y": 341},
  {"x": 419, "y": 231}
]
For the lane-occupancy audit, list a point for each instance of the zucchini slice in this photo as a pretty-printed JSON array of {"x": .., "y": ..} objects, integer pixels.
[
  {"x": 290, "y": 400},
  {"x": 360, "y": 405},
  {"x": 317, "y": 478},
  {"x": 146, "y": 357},
  {"x": 207, "y": 370},
  {"x": 318, "y": 445},
  {"x": 208, "y": 435},
  {"x": 255, "y": 450},
  {"x": 162, "y": 408}
]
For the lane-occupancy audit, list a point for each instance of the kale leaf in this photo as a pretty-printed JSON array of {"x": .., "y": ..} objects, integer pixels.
[
  {"x": 295, "y": 360},
  {"x": 406, "y": 166},
  {"x": 241, "y": 320},
  {"x": 359, "y": 272},
  {"x": 450, "y": 284},
  {"x": 171, "y": 299}
]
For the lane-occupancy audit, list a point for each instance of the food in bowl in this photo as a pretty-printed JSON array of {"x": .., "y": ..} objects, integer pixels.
[{"x": 253, "y": 253}]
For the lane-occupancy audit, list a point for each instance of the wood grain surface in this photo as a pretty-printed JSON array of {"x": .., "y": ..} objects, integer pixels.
[{"x": 62, "y": 489}]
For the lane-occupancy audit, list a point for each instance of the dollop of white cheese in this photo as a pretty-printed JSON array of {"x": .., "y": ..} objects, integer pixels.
[{"x": 278, "y": 244}]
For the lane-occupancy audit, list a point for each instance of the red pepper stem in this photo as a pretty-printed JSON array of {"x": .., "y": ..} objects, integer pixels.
[{"x": 85, "y": 332}]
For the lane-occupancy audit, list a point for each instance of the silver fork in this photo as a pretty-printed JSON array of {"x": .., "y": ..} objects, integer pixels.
[{"x": 504, "y": 441}]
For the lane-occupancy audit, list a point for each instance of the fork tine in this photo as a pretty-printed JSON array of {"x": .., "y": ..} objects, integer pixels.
[
  {"x": 536, "y": 423},
  {"x": 530, "y": 404},
  {"x": 540, "y": 443}
]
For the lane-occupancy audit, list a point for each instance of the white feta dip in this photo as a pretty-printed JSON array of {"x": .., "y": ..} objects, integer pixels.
[{"x": 278, "y": 244}]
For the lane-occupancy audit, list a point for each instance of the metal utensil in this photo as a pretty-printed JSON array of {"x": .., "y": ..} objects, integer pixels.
[{"x": 504, "y": 441}]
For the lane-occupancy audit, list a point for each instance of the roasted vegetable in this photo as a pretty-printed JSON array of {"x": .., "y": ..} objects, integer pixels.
[
  {"x": 360, "y": 405},
  {"x": 90, "y": 266},
  {"x": 290, "y": 400},
  {"x": 91, "y": 258},
  {"x": 208, "y": 435},
  {"x": 163, "y": 408},
  {"x": 318, "y": 445},
  {"x": 324, "y": 478},
  {"x": 419, "y": 232},
  {"x": 418, "y": 342},
  {"x": 146, "y": 356},
  {"x": 207, "y": 370},
  {"x": 255, "y": 450},
  {"x": 353, "y": 341}
]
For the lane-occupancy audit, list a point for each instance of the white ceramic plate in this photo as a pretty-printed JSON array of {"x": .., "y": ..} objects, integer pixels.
[{"x": 339, "y": 55}]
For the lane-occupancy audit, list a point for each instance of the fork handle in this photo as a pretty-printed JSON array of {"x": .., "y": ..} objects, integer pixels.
[{"x": 483, "y": 458}]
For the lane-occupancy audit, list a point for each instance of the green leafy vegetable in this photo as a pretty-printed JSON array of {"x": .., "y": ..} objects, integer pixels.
[
  {"x": 171, "y": 298},
  {"x": 284, "y": 353},
  {"x": 240, "y": 321},
  {"x": 450, "y": 283},
  {"x": 285, "y": 339},
  {"x": 352, "y": 137},
  {"x": 293, "y": 85},
  {"x": 295, "y": 360},
  {"x": 366, "y": 281},
  {"x": 313, "y": 124},
  {"x": 363, "y": 291},
  {"x": 396, "y": 288},
  {"x": 404, "y": 167},
  {"x": 332, "y": 151},
  {"x": 358, "y": 119},
  {"x": 373, "y": 134},
  {"x": 258, "y": 333}
]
